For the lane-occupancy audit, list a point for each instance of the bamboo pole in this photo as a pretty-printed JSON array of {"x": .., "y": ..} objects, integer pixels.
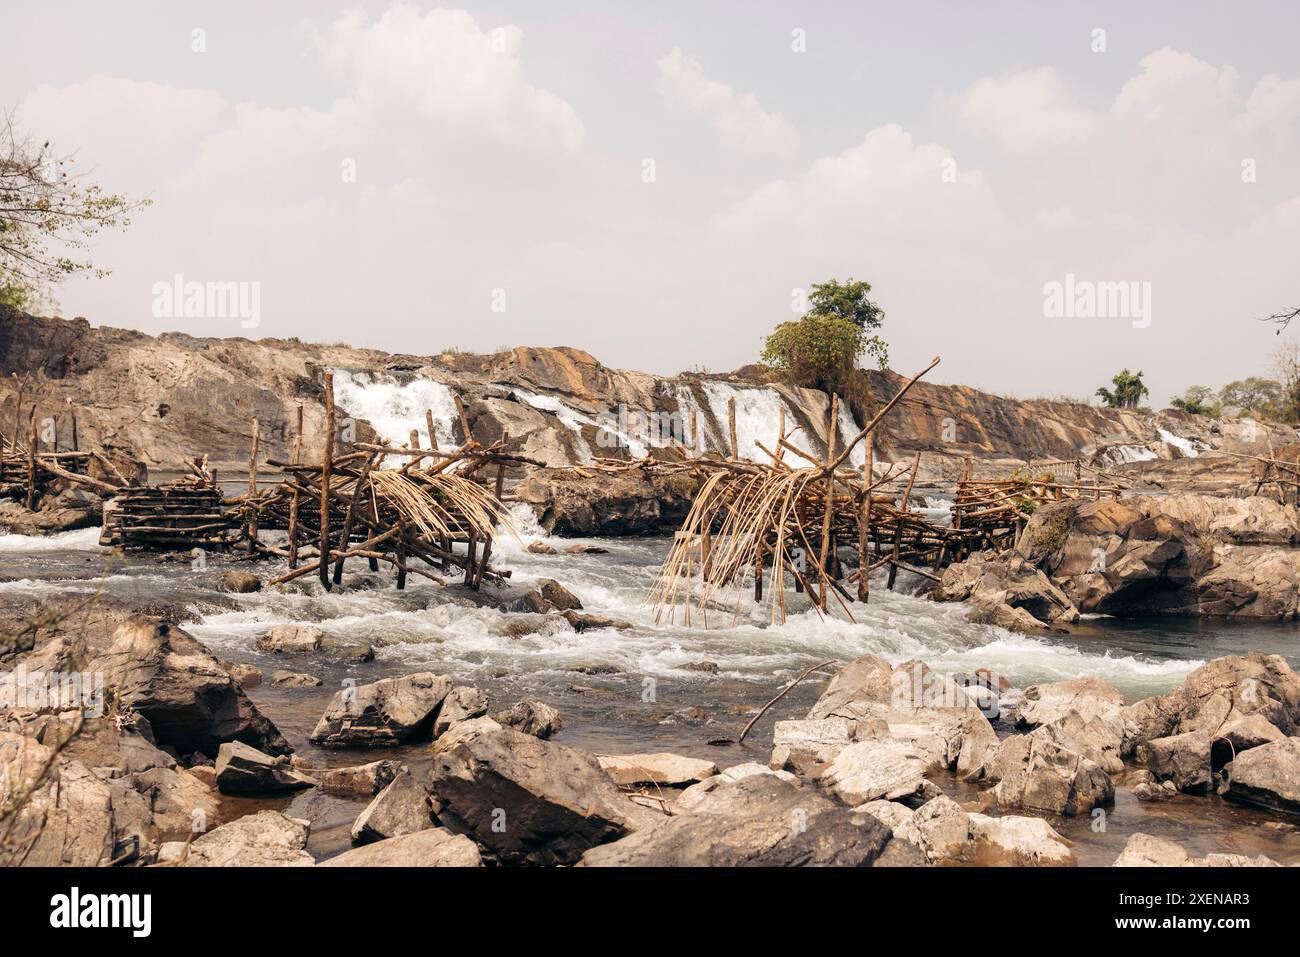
[
  {"x": 464, "y": 419},
  {"x": 293, "y": 498},
  {"x": 31, "y": 463},
  {"x": 731, "y": 426},
  {"x": 252, "y": 488},
  {"x": 864, "y": 524},
  {"x": 327, "y": 462},
  {"x": 828, "y": 509}
]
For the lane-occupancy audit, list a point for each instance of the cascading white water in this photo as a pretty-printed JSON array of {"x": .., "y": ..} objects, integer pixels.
[
  {"x": 571, "y": 419},
  {"x": 395, "y": 408},
  {"x": 1186, "y": 446},
  {"x": 1123, "y": 454},
  {"x": 758, "y": 412}
]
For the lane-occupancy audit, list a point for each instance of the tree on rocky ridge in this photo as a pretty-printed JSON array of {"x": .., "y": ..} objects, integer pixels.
[
  {"x": 1199, "y": 400},
  {"x": 1129, "y": 390},
  {"x": 49, "y": 213},
  {"x": 821, "y": 349}
]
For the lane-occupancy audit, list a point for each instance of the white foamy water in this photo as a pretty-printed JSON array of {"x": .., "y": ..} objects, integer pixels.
[
  {"x": 1123, "y": 454},
  {"x": 571, "y": 419},
  {"x": 395, "y": 408},
  {"x": 758, "y": 414},
  {"x": 1186, "y": 446},
  {"x": 59, "y": 541},
  {"x": 423, "y": 627}
]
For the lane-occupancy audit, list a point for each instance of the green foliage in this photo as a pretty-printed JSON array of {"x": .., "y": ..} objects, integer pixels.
[
  {"x": 1199, "y": 400},
  {"x": 1253, "y": 394},
  {"x": 821, "y": 349},
  {"x": 848, "y": 300},
  {"x": 1128, "y": 392},
  {"x": 49, "y": 215},
  {"x": 818, "y": 352}
]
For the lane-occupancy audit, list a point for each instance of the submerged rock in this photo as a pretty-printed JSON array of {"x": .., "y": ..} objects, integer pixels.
[{"x": 364, "y": 780}]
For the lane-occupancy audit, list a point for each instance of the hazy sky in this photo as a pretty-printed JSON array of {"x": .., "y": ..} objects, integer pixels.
[{"x": 652, "y": 181}]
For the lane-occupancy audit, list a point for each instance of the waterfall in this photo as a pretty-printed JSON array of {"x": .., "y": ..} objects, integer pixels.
[
  {"x": 758, "y": 412},
  {"x": 1177, "y": 441},
  {"x": 394, "y": 408},
  {"x": 1123, "y": 454}
]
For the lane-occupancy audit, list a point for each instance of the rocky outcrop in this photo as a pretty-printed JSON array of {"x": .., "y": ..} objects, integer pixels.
[
  {"x": 662, "y": 770},
  {"x": 626, "y": 503},
  {"x": 1042, "y": 772},
  {"x": 433, "y": 847},
  {"x": 264, "y": 839},
  {"x": 290, "y": 639},
  {"x": 1143, "y": 850},
  {"x": 1268, "y": 776},
  {"x": 526, "y": 800},
  {"x": 1175, "y": 555},
  {"x": 757, "y": 821},
  {"x": 241, "y": 769},
  {"x": 531, "y": 717},
  {"x": 1234, "y": 699},
  {"x": 998, "y": 588},
  {"x": 400, "y": 808},
  {"x": 386, "y": 712}
]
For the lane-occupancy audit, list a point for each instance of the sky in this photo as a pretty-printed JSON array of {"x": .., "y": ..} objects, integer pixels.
[{"x": 1039, "y": 193}]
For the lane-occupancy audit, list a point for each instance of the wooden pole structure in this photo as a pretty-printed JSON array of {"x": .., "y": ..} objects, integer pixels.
[
  {"x": 828, "y": 508},
  {"x": 487, "y": 546},
  {"x": 252, "y": 489},
  {"x": 731, "y": 426},
  {"x": 293, "y": 498},
  {"x": 864, "y": 524},
  {"x": 72, "y": 411},
  {"x": 327, "y": 462},
  {"x": 31, "y": 462},
  {"x": 428, "y": 424},
  {"x": 695, "y": 438},
  {"x": 352, "y": 511},
  {"x": 464, "y": 419}
]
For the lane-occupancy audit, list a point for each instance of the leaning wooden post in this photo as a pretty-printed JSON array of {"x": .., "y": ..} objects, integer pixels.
[
  {"x": 252, "y": 489},
  {"x": 695, "y": 440},
  {"x": 828, "y": 507},
  {"x": 293, "y": 498},
  {"x": 487, "y": 545},
  {"x": 864, "y": 524},
  {"x": 400, "y": 548},
  {"x": 464, "y": 419},
  {"x": 731, "y": 426},
  {"x": 31, "y": 463},
  {"x": 428, "y": 424},
  {"x": 72, "y": 411},
  {"x": 327, "y": 462}
]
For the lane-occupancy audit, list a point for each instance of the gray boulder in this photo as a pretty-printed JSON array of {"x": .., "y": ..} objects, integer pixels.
[
  {"x": 433, "y": 847},
  {"x": 531, "y": 717},
  {"x": 758, "y": 821},
  {"x": 526, "y": 800},
  {"x": 1268, "y": 776},
  {"x": 401, "y": 808},
  {"x": 245, "y": 770},
  {"x": 387, "y": 712}
]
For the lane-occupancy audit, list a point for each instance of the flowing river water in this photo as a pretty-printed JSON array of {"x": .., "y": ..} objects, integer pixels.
[{"x": 632, "y": 690}]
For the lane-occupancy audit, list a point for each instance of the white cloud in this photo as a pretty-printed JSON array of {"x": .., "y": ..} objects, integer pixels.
[
  {"x": 741, "y": 121},
  {"x": 444, "y": 66},
  {"x": 1025, "y": 108}
]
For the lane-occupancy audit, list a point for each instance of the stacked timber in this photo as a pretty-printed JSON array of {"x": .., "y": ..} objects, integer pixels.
[{"x": 175, "y": 516}]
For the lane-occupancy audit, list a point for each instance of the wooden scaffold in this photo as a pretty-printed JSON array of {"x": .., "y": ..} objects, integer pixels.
[{"x": 435, "y": 515}]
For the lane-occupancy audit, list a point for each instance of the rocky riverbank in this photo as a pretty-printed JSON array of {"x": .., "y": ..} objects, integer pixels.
[{"x": 890, "y": 765}]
